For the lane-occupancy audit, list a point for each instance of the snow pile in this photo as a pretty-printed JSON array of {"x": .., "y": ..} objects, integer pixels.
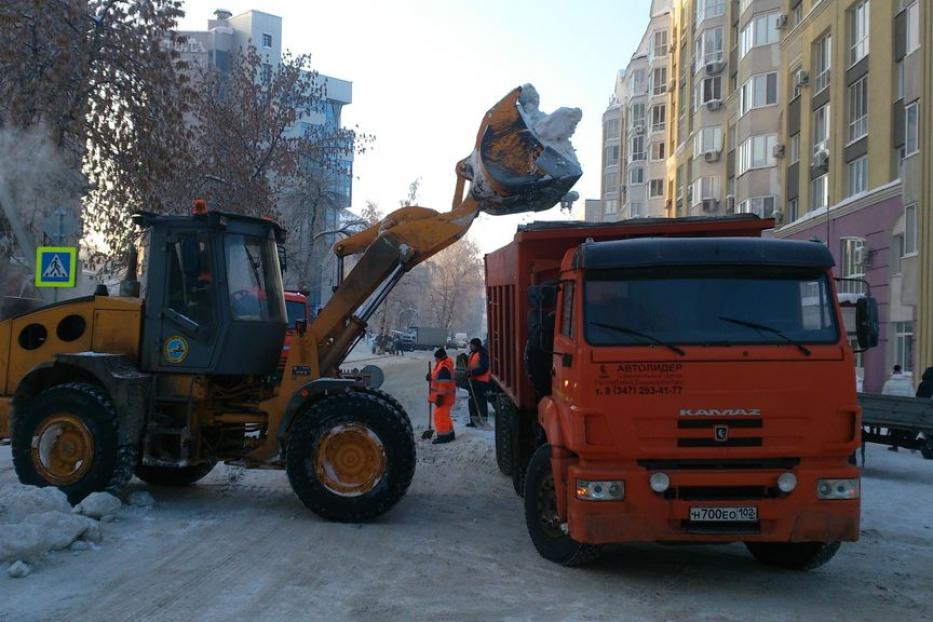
[
  {"x": 553, "y": 130},
  {"x": 34, "y": 521},
  {"x": 140, "y": 499},
  {"x": 98, "y": 505}
]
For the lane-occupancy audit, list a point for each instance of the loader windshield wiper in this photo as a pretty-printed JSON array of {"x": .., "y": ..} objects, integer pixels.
[
  {"x": 767, "y": 329},
  {"x": 629, "y": 331}
]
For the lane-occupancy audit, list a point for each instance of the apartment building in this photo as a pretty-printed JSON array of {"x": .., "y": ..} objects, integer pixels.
[{"x": 852, "y": 167}]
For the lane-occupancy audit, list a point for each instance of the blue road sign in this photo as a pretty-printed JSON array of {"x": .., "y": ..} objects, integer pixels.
[{"x": 56, "y": 266}]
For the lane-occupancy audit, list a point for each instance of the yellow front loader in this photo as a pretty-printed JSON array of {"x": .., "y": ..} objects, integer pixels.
[{"x": 96, "y": 389}]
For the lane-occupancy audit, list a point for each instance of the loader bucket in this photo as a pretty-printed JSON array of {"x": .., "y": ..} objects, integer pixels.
[{"x": 523, "y": 160}]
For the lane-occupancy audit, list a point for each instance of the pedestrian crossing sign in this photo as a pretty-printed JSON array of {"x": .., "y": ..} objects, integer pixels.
[{"x": 56, "y": 266}]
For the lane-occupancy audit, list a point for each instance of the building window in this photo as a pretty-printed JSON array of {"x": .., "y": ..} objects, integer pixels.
[
  {"x": 638, "y": 148},
  {"x": 705, "y": 188},
  {"x": 634, "y": 209},
  {"x": 913, "y": 27},
  {"x": 637, "y": 115},
  {"x": 706, "y": 9},
  {"x": 707, "y": 90},
  {"x": 897, "y": 253},
  {"x": 708, "y": 47},
  {"x": 912, "y": 129},
  {"x": 757, "y": 92},
  {"x": 657, "y": 151},
  {"x": 638, "y": 81},
  {"x": 796, "y": 15},
  {"x": 763, "y": 207},
  {"x": 660, "y": 43},
  {"x": 655, "y": 188},
  {"x": 821, "y": 128},
  {"x": 612, "y": 155},
  {"x": 904, "y": 345},
  {"x": 756, "y": 152},
  {"x": 266, "y": 73},
  {"x": 852, "y": 265},
  {"x": 658, "y": 118},
  {"x": 819, "y": 192},
  {"x": 899, "y": 79},
  {"x": 659, "y": 81},
  {"x": 762, "y": 29},
  {"x": 858, "y": 32},
  {"x": 610, "y": 182},
  {"x": 612, "y": 129},
  {"x": 858, "y": 109},
  {"x": 792, "y": 80},
  {"x": 795, "y": 148},
  {"x": 793, "y": 210},
  {"x": 910, "y": 229},
  {"x": 822, "y": 54},
  {"x": 636, "y": 175},
  {"x": 858, "y": 176},
  {"x": 707, "y": 139},
  {"x": 266, "y": 40}
]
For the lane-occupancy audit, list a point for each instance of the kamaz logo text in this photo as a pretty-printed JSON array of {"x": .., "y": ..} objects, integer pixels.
[{"x": 720, "y": 412}]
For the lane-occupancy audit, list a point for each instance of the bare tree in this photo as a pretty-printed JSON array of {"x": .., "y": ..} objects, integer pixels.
[{"x": 456, "y": 280}]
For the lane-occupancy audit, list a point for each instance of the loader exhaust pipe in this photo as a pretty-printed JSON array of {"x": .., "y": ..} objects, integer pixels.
[{"x": 129, "y": 286}]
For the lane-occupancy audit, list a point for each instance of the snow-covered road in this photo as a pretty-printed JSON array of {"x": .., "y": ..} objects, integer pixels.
[{"x": 240, "y": 546}]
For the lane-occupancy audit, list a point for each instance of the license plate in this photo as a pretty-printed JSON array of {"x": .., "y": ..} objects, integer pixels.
[{"x": 741, "y": 514}]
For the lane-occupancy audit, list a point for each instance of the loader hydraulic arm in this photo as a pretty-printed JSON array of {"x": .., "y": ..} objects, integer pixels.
[{"x": 511, "y": 170}]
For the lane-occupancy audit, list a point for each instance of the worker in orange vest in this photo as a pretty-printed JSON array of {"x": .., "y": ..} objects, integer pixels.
[
  {"x": 479, "y": 378},
  {"x": 442, "y": 395}
]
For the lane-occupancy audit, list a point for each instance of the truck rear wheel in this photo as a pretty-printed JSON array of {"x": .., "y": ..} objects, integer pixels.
[
  {"x": 793, "y": 555},
  {"x": 174, "y": 476},
  {"x": 67, "y": 437},
  {"x": 544, "y": 525},
  {"x": 504, "y": 434},
  {"x": 351, "y": 456}
]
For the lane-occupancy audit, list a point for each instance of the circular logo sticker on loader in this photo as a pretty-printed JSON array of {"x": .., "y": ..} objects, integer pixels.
[{"x": 175, "y": 350}]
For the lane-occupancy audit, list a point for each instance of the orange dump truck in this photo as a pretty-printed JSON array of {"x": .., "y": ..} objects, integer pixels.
[{"x": 679, "y": 380}]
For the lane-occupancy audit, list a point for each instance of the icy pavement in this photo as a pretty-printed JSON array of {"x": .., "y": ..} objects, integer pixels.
[{"x": 240, "y": 546}]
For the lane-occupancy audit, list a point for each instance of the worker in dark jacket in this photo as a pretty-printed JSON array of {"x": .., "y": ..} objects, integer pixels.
[
  {"x": 926, "y": 384},
  {"x": 478, "y": 377}
]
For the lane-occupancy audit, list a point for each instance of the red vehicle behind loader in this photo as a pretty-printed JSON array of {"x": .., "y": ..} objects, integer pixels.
[{"x": 676, "y": 380}]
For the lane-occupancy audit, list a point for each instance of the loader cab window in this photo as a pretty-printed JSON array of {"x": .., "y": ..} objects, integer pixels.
[
  {"x": 190, "y": 278},
  {"x": 566, "y": 313},
  {"x": 254, "y": 280}
]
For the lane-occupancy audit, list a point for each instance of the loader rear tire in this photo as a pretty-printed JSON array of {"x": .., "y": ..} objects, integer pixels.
[
  {"x": 174, "y": 476},
  {"x": 350, "y": 456},
  {"x": 542, "y": 520},
  {"x": 67, "y": 436},
  {"x": 793, "y": 555}
]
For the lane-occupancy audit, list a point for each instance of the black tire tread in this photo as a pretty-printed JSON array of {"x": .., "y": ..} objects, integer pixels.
[
  {"x": 125, "y": 458},
  {"x": 792, "y": 555},
  {"x": 335, "y": 405},
  {"x": 170, "y": 476},
  {"x": 504, "y": 458}
]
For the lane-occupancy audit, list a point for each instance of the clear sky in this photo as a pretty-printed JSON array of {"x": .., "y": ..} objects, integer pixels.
[{"x": 425, "y": 71}]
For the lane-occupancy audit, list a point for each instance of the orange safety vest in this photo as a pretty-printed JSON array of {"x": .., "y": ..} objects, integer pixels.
[
  {"x": 443, "y": 387},
  {"x": 474, "y": 363}
]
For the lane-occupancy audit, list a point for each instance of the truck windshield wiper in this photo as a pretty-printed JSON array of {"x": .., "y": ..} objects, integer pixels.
[
  {"x": 767, "y": 329},
  {"x": 629, "y": 331}
]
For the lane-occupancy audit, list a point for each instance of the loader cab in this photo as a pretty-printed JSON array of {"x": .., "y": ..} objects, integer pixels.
[{"x": 214, "y": 297}]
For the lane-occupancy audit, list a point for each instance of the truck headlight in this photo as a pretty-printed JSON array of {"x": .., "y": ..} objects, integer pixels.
[
  {"x": 603, "y": 490},
  {"x": 837, "y": 489},
  {"x": 787, "y": 482},
  {"x": 659, "y": 482}
]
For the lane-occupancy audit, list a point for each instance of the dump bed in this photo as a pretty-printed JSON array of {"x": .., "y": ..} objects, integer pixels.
[{"x": 534, "y": 257}]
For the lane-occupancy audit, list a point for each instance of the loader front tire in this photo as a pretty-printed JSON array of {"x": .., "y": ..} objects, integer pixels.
[
  {"x": 66, "y": 436},
  {"x": 172, "y": 476},
  {"x": 350, "y": 456},
  {"x": 544, "y": 525}
]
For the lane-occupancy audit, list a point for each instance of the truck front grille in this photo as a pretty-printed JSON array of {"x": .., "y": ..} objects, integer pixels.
[
  {"x": 713, "y": 464},
  {"x": 721, "y": 493}
]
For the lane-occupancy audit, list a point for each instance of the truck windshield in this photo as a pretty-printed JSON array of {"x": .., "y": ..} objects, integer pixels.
[
  {"x": 254, "y": 280},
  {"x": 709, "y": 305}
]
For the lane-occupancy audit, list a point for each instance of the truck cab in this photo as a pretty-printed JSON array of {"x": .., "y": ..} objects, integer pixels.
[{"x": 695, "y": 389}]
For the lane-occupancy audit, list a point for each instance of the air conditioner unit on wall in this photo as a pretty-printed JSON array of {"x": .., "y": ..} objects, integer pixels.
[
  {"x": 730, "y": 204},
  {"x": 821, "y": 159},
  {"x": 712, "y": 155},
  {"x": 781, "y": 22},
  {"x": 862, "y": 256},
  {"x": 714, "y": 67},
  {"x": 639, "y": 129},
  {"x": 801, "y": 78},
  {"x": 710, "y": 205},
  {"x": 778, "y": 150},
  {"x": 714, "y": 104}
]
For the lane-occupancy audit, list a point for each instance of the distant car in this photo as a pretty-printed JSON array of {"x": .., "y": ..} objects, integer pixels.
[{"x": 296, "y": 308}]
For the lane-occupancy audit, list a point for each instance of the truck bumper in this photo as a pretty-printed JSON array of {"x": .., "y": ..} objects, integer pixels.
[{"x": 647, "y": 516}]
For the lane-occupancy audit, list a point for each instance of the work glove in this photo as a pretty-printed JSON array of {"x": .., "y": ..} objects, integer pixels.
[
  {"x": 427, "y": 377},
  {"x": 439, "y": 400}
]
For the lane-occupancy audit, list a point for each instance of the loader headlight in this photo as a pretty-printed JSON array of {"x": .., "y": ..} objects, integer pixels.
[
  {"x": 603, "y": 490},
  {"x": 838, "y": 489},
  {"x": 659, "y": 482},
  {"x": 787, "y": 482}
]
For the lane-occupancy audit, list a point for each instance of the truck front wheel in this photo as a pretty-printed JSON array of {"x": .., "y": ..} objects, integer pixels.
[
  {"x": 793, "y": 555},
  {"x": 547, "y": 531},
  {"x": 351, "y": 456}
]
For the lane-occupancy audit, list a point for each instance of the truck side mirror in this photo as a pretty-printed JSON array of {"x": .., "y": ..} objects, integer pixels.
[{"x": 866, "y": 322}]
